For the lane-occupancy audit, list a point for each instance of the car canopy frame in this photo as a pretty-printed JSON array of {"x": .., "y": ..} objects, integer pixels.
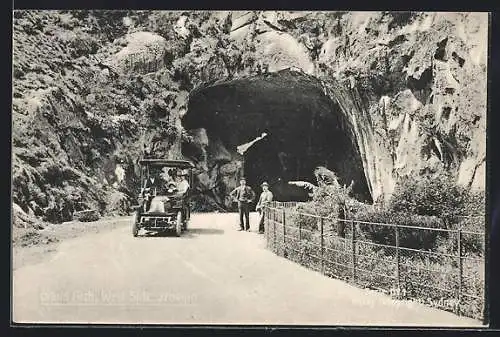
[{"x": 184, "y": 164}]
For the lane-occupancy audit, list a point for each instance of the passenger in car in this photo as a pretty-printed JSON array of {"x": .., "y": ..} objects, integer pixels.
[{"x": 182, "y": 183}]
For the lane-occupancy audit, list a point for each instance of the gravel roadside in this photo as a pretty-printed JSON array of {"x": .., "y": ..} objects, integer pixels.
[{"x": 31, "y": 246}]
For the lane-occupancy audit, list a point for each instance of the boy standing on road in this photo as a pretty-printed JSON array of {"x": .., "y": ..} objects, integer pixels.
[
  {"x": 265, "y": 198},
  {"x": 244, "y": 195}
]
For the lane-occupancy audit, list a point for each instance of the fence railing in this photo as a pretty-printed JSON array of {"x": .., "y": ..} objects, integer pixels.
[{"x": 448, "y": 275}]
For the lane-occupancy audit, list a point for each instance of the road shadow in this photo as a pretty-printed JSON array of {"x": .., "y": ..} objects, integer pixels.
[
  {"x": 153, "y": 234},
  {"x": 205, "y": 231},
  {"x": 189, "y": 233}
]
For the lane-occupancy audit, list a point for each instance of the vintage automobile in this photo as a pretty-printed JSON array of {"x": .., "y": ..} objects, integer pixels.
[{"x": 164, "y": 197}]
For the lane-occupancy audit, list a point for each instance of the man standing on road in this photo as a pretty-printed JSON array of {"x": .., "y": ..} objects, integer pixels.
[
  {"x": 244, "y": 195},
  {"x": 265, "y": 198}
]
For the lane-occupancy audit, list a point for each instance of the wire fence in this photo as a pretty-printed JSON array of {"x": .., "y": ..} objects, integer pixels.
[{"x": 449, "y": 276}]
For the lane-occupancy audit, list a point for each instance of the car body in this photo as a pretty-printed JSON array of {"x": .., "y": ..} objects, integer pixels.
[{"x": 161, "y": 205}]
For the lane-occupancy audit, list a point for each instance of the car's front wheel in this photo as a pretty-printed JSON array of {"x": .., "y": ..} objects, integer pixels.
[
  {"x": 185, "y": 219},
  {"x": 178, "y": 224}
]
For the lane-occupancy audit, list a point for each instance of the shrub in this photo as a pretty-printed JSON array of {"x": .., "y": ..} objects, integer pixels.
[
  {"x": 117, "y": 203},
  {"x": 408, "y": 237},
  {"x": 433, "y": 196},
  {"x": 472, "y": 242},
  {"x": 328, "y": 201},
  {"x": 474, "y": 204},
  {"x": 83, "y": 44},
  {"x": 439, "y": 196},
  {"x": 301, "y": 216}
]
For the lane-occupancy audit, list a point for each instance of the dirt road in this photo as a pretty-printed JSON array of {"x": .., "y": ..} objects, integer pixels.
[{"x": 213, "y": 274}]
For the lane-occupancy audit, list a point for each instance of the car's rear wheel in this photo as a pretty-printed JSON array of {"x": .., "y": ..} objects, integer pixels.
[
  {"x": 135, "y": 225},
  {"x": 178, "y": 224}
]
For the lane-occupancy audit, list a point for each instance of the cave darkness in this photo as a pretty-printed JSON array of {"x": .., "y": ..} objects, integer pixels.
[{"x": 305, "y": 129}]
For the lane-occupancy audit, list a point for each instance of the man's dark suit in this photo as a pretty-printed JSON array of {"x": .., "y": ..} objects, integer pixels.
[
  {"x": 244, "y": 195},
  {"x": 150, "y": 187}
]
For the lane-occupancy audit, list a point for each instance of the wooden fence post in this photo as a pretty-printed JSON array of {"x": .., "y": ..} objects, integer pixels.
[
  {"x": 322, "y": 247},
  {"x": 266, "y": 224},
  {"x": 353, "y": 245},
  {"x": 397, "y": 261},
  {"x": 284, "y": 231},
  {"x": 460, "y": 269},
  {"x": 274, "y": 231},
  {"x": 485, "y": 312}
]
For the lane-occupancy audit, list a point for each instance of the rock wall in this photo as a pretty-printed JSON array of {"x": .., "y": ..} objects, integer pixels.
[
  {"x": 412, "y": 84},
  {"x": 92, "y": 88}
]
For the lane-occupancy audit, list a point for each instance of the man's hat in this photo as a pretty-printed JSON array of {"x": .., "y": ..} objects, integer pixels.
[
  {"x": 243, "y": 179},
  {"x": 264, "y": 184}
]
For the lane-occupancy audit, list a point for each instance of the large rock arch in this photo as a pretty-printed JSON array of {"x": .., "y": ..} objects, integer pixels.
[{"x": 304, "y": 128}]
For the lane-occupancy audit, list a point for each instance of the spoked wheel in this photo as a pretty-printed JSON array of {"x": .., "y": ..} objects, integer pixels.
[
  {"x": 135, "y": 225},
  {"x": 186, "y": 219},
  {"x": 178, "y": 224}
]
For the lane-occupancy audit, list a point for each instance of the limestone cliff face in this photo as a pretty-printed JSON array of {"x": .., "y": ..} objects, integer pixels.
[
  {"x": 91, "y": 89},
  {"x": 412, "y": 84}
]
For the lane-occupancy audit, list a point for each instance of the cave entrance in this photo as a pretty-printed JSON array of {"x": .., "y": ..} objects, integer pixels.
[
  {"x": 262, "y": 162},
  {"x": 304, "y": 127},
  {"x": 270, "y": 161}
]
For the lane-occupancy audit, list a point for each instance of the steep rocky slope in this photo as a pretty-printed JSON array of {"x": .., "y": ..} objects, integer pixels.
[{"x": 92, "y": 89}]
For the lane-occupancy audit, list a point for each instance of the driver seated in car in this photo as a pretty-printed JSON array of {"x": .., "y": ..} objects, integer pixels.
[
  {"x": 148, "y": 191},
  {"x": 182, "y": 183},
  {"x": 157, "y": 204}
]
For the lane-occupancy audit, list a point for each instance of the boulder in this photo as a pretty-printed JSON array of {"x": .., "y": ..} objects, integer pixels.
[
  {"x": 23, "y": 220},
  {"x": 143, "y": 53},
  {"x": 88, "y": 215},
  {"x": 282, "y": 51}
]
